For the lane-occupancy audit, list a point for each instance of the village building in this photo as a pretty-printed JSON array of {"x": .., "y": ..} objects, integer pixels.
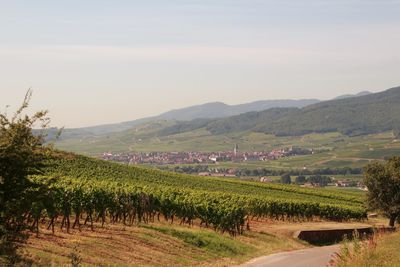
[{"x": 266, "y": 180}]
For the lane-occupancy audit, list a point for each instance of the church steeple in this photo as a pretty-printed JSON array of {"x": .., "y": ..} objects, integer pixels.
[{"x": 236, "y": 149}]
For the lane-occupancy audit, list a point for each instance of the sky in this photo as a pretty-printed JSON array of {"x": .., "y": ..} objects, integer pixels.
[{"x": 93, "y": 62}]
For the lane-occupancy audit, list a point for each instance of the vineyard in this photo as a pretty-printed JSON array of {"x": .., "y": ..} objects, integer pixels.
[{"x": 80, "y": 191}]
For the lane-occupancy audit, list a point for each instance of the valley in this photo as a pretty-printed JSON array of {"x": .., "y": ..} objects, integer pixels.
[
  {"x": 219, "y": 199},
  {"x": 240, "y": 133},
  {"x": 331, "y": 150}
]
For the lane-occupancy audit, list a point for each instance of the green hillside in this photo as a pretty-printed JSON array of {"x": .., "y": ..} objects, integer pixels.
[
  {"x": 365, "y": 114},
  {"x": 87, "y": 207},
  {"x": 358, "y": 115},
  {"x": 82, "y": 167},
  {"x": 116, "y": 193},
  {"x": 345, "y": 128},
  {"x": 192, "y": 113}
]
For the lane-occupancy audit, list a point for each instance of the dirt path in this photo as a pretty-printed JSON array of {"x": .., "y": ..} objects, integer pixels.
[{"x": 311, "y": 257}]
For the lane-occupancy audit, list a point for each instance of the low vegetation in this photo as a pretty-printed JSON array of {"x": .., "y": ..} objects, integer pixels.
[
  {"x": 76, "y": 186},
  {"x": 156, "y": 244},
  {"x": 380, "y": 250}
]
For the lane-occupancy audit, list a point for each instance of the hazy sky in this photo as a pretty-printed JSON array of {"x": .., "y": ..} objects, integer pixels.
[{"x": 93, "y": 62}]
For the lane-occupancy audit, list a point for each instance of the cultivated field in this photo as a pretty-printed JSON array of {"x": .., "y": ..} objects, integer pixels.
[{"x": 332, "y": 150}]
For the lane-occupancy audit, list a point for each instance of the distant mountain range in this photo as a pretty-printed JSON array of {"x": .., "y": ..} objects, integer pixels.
[
  {"x": 205, "y": 111},
  {"x": 356, "y": 115},
  {"x": 221, "y": 110},
  {"x": 361, "y": 113},
  {"x": 348, "y": 96}
]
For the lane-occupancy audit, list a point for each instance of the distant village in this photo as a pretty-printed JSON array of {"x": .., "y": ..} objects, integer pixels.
[
  {"x": 202, "y": 162},
  {"x": 170, "y": 158}
]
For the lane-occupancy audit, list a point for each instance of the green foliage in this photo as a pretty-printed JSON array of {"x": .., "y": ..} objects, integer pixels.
[
  {"x": 286, "y": 179},
  {"x": 212, "y": 242},
  {"x": 89, "y": 169},
  {"x": 20, "y": 156},
  {"x": 319, "y": 180},
  {"x": 383, "y": 183},
  {"x": 301, "y": 179},
  {"x": 117, "y": 193}
]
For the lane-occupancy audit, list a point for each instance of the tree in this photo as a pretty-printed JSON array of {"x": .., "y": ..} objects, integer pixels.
[
  {"x": 20, "y": 156},
  {"x": 301, "y": 179},
  {"x": 285, "y": 179},
  {"x": 383, "y": 183},
  {"x": 319, "y": 179}
]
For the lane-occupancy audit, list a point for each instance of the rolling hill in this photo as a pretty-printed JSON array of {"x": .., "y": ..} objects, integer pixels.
[
  {"x": 221, "y": 110},
  {"x": 220, "y": 118},
  {"x": 371, "y": 113},
  {"x": 361, "y": 114},
  {"x": 89, "y": 207},
  {"x": 205, "y": 111},
  {"x": 268, "y": 129},
  {"x": 221, "y": 202}
]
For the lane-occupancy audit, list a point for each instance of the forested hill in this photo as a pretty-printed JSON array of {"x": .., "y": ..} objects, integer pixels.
[
  {"x": 199, "y": 113},
  {"x": 355, "y": 115},
  {"x": 222, "y": 110},
  {"x": 365, "y": 114}
]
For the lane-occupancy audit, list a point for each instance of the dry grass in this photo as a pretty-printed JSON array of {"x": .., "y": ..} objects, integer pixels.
[
  {"x": 381, "y": 250},
  {"x": 158, "y": 244},
  {"x": 163, "y": 244},
  {"x": 113, "y": 245}
]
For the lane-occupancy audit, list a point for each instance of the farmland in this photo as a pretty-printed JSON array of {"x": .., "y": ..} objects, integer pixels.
[
  {"x": 117, "y": 193},
  {"x": 332, "y": 150},
  {"x": 108, "y": 204}
]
